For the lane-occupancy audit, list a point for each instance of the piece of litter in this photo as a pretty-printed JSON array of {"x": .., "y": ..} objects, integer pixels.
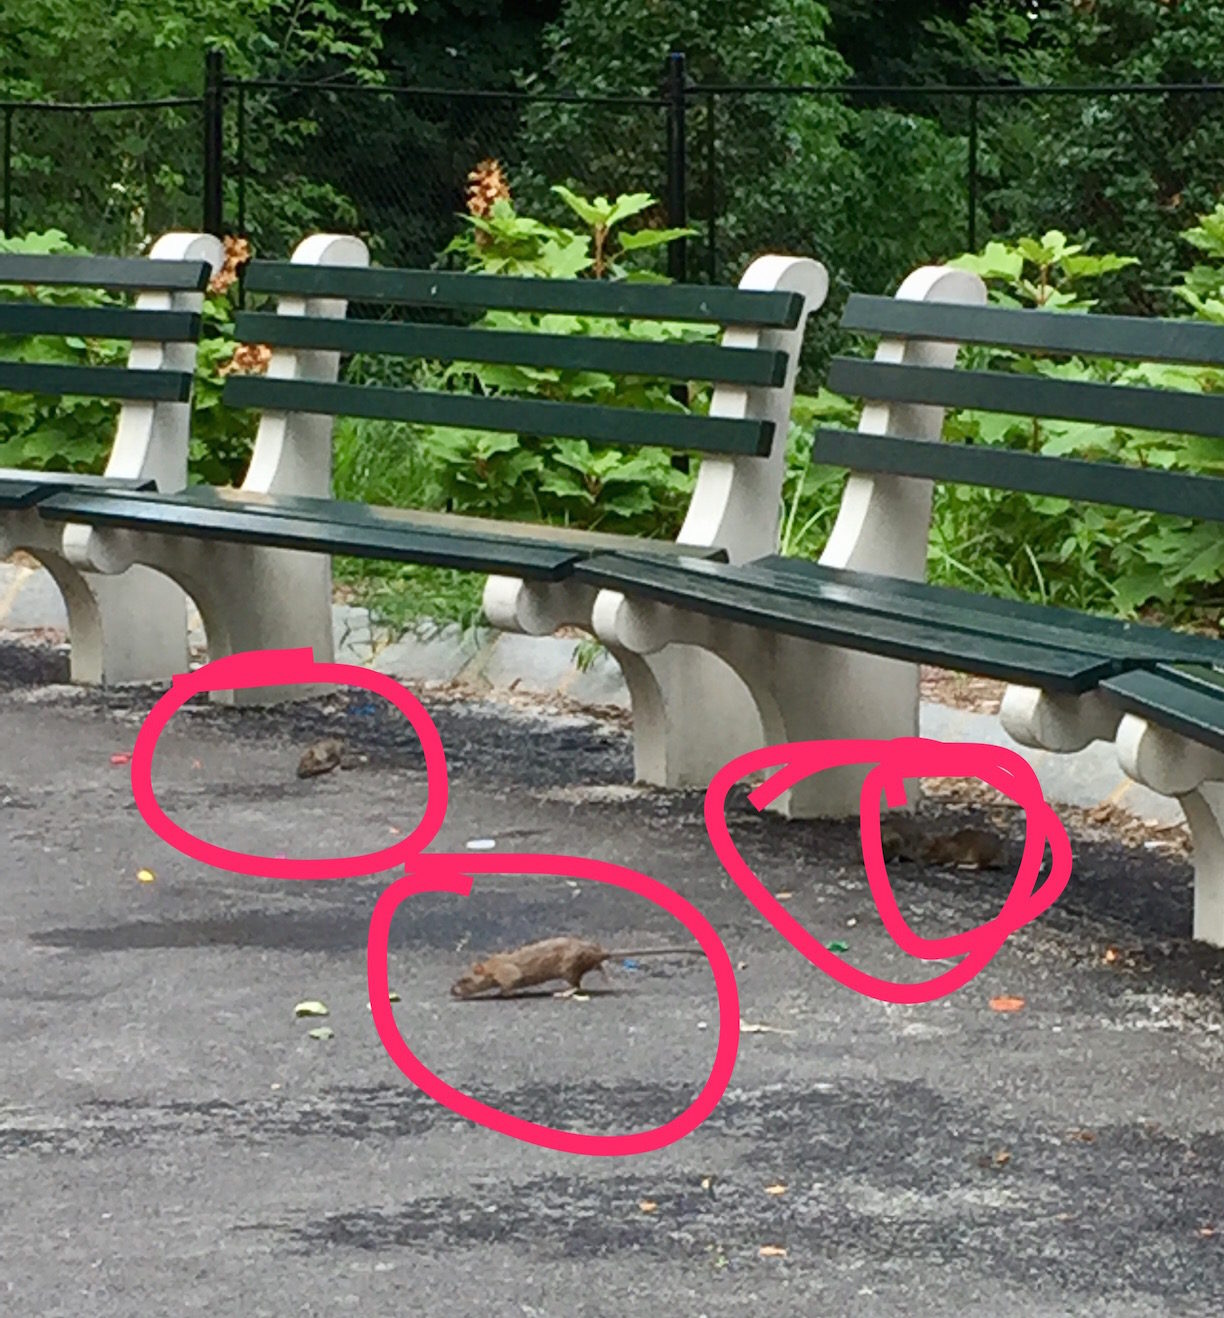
[
  {"x": 851, "y": 922},
  {"x": 701, "y": 1025},
  {"x": 322, "y": 1032},
  {"x": 362, "y": 711},
  {"x": 648, "y": 1205},
  {"x": 146, "y": 876},
  {"x": 784, "y": 896},
  {"x": 310, "y": 1008},
  {"x": 1006, "y": 1004},
  {"x": 120, "y": 758},
  {"x": 779, "y": 1188},
  {"x": 580, "y": 997},
  {"x": 393, "y": 996},
  {"x": 481, "y": 844},
  {"x": 839, "y": 947},
  {"x": 630, "y": 964},
  {"x": 748, "y": 1027},
  {"x": 741, "y": 965},
  {"x": 772, "y": 1252}
]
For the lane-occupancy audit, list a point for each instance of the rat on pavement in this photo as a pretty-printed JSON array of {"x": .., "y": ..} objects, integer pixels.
[
  {"x": 321, "y": 757},
  {"x": 567, "y": 958},
  {"x": 977, "y": 848}
]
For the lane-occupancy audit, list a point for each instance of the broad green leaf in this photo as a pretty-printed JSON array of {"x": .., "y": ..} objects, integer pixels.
[{"x": 633, "y": 242}]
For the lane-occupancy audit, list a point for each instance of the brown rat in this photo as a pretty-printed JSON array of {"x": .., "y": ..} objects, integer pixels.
[
  {"x": 321, "y": 757},
  {"x": 565, "y": 958},
  {"x": 975, "y": 847}
]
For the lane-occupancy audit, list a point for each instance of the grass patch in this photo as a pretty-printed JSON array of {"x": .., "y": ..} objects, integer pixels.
[{"x": 381, "y": 463}]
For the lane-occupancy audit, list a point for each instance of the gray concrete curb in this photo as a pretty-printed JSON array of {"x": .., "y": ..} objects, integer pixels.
[{"x": 30, "y": 600}]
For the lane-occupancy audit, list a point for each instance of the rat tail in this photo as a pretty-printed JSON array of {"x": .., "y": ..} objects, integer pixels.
[{"x": 657, "y": 951}]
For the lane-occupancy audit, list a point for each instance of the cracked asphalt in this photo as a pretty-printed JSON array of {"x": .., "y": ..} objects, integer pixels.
[{"x": 172, "y": 1140}]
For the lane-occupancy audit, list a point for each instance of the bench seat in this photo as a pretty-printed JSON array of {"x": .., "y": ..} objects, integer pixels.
[
  {"x": 474, "y": 544},
  {"x": 814, "y": 604},
  {"x": 24, "y": 489},
  {"x": 1186, "y": 699},
  {"x": 830, "y": 650}
]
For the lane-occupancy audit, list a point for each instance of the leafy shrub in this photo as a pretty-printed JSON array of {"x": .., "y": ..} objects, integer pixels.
[{"x": 561, "y": 480}]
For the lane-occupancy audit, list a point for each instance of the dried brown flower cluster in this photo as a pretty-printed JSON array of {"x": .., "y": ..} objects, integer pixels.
[
  {"x": 248, "y": 359},
  {"x": 487, "y": 186},
  {"x": 237, "y": 254}
]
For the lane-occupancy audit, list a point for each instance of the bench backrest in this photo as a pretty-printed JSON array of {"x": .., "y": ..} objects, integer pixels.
[
  {"x": 721, "y": 364},
  {"x": 29, "y": 315},
  {"x": 154, "y": 304},
  {"x": 1052, "y": 333}
]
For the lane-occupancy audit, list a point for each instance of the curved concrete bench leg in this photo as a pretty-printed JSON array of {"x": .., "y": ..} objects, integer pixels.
[
  {"x": 130, "y": 628},
  {"x": 1193, "y": 774},
  {"x": 249, "y": 597},
  {"x": 1050, "y": 721},
  {"x": 691, "y": 713},
  {"x": 796, "y": 691}
]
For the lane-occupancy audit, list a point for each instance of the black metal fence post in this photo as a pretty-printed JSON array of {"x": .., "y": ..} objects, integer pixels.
[
  {"x": 973, "y": 170},
  {"x": 214, "y": 146},
  {"x": 677, "y": 163},
  {"x": 711, "y": 190},
  {"x": 7, "y": 225}
]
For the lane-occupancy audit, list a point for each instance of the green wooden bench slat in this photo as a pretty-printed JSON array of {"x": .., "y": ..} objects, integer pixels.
[
  {"x": 435, "y": 523},
  {"x": 592, "y": 297},
  {"x": 1127, "y": 338},
  {"x": 99, "y": 322},
  {"x": 711, "y": 589},
  {"x": 599, "y": 424},
  {"x": 23, "y": 489},
  {"x": 1186, "y": 703},
  {"x": 1112, "y": 636},
  {"x": 119, "y": 273},
  {"x": 319, "y": 534},
  {"x": 1059, "y": 629},
  {"x": 678, "y": 361},
  {"x": 1031, "y": 395},
  {"x": 95, "y": 382},
  {"x": 1111, "y": 483}
]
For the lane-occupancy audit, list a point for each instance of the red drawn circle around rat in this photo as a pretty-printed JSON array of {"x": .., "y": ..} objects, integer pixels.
[
  {"x": 452, "y": 873},
  {"x": 895, "y": 761},
  {"x": 287, "y": 668}
]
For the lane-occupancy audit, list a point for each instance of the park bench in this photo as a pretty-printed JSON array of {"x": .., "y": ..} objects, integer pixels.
[
  {"x": 830, "y": 649},
  {"x": 256, "y": 560},
  {"x": 133, "y": 626}
]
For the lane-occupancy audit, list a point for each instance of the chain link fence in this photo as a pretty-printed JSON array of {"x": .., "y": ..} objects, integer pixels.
[
  {"x": 873, "y": 180},
  {"x": 111, "y": 176}
]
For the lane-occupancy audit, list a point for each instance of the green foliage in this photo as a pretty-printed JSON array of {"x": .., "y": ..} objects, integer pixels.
[
  {"x": 1040, "y": 272},
  {"x": 562, "y": 480},
  {"x": 1131, "y": 170},
  {"x": 38, "y": 433},
  {"x": 1085, "y": 556},
  {"x": 764, "y": 146}
]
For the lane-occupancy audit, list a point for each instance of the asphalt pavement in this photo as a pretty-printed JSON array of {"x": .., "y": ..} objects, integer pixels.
[{"x": 174, "y": 1141}]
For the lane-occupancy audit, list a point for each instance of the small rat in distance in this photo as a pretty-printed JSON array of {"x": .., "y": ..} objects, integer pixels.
[
  {"x": 321, "y": 757},
  {"x": 567, "y": 958}
]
